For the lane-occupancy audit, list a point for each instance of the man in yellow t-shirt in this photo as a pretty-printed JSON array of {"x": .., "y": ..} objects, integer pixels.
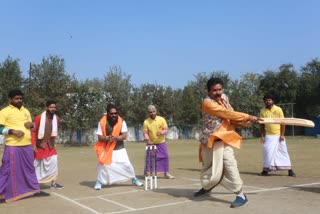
[
  {"x": 17, "y": 174},
  {"x": 275, "y": 153},
  {"x": 154, "y": 131}
]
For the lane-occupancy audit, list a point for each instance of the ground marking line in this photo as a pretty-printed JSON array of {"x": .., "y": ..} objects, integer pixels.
[
  {"x": 119, "y": 204},
  {"x": 281, "y": 188},
  {"x": 216, "y": 196},
  {"x": 174, "y": 203},
  {"x": 76, "y": 203},
  {"x": 112, "y": 194},
  {"x": 182, "y": 185},
  {"x": 151, "y": 207},
  {"x": 191, "y": 179},
  {"x": 254, "y": 187}
]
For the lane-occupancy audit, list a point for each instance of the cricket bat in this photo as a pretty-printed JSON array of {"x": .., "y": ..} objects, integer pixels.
[{"x": 288, "y": 121}]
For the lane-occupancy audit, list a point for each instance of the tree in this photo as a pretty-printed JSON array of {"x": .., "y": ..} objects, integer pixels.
[
  {"x": 86, "y": 106},
  {"x": 245, "y": 95},
  {"x": 117, "y": 86},
  {"x": 283, "y": 84},
  {"x": 49, "y": 80},
  {"x": 189, "y": 109},
  {"x": 11, "y": 78},
  {"x": 308, "y": 98}
]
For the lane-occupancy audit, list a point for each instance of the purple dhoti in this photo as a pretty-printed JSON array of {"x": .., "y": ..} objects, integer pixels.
[
  {"x": 162, "y": 158},
  {"x": 17, "y": 174}
]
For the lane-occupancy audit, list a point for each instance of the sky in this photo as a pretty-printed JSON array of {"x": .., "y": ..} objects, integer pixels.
[{"x": 161, "y": 42}]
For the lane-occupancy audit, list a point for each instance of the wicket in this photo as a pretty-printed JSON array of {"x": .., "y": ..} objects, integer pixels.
[{"x": 150, "y": 172}]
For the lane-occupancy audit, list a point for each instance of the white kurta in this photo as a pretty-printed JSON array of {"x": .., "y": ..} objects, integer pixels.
[{"x": 120, "y": 169}]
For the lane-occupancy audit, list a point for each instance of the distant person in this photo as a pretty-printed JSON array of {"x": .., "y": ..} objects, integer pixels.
[
  {"x": 44, "y": 136},
  {"x": 17, "y": 174},
  {"x": 154, "y": 131},
  {"x": 113, "y": 161},
  {"x": 217, "y": 137},
  {"x": 275, "y": 153}
]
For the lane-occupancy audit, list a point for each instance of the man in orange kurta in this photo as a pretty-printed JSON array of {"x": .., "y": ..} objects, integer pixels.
[{"x": 217, "y": 138}]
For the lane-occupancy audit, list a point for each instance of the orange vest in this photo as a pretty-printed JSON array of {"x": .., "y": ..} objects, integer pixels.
[{"x": 104, "y": 149}]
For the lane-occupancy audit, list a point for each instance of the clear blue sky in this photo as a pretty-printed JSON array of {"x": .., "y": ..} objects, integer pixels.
[{"x": 164, "y": 42}]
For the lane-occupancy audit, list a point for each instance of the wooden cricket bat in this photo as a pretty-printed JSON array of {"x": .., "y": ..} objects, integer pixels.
[{"x": 288, "y": 121}]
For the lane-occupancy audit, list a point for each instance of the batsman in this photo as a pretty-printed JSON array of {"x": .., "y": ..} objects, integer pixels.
[
  {"x": 155, "y": 129},
  {"x": 217, "y": 139}
]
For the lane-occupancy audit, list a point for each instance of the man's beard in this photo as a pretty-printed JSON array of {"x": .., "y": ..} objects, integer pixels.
[
  {"x": 112, "y": 121},
  {"x": 18, "y": 104},
  {"x": 50, "y": 113}
]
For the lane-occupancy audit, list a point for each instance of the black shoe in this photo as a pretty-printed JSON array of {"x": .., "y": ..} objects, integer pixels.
[
  {"x": 264, "y": 173},
  {"x": 41, "y": 194},
  {"x": 201, "y": 192},
  {"x": 291, "y": 173},
  {"x": 56, "y": 186}
]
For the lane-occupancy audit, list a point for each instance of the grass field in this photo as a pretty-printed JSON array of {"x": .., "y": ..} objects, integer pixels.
[{"x": 277, "y": 193}]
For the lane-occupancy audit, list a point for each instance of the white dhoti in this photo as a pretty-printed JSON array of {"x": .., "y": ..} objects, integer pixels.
[
  {"x": 275, "y": 154},
  {"x": 220, "y": 167},
  {"x": 119, "y": 170},
  {"x": 46, "y": 169}
]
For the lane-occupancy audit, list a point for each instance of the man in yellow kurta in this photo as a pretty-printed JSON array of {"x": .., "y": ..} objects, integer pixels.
[
  {"x": 275, "y": 153},
  {"x": 154, "y": 132},
  {"x": 217, "y": 137}
]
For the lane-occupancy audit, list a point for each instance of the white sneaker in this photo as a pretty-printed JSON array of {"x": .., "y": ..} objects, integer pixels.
[
  {"x": 137, "y": 182},
  {"x": 168, "y": 176},
  {"x": 98, "y": 185}
]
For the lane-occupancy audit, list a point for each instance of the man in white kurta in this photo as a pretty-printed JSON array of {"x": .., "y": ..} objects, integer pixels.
[{"x": 113, "y": 161}]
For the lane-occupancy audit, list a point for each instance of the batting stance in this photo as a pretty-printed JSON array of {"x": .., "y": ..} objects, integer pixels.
[
  {"x": 217, "y": 137},
  {"x": 275, "y": 153}
]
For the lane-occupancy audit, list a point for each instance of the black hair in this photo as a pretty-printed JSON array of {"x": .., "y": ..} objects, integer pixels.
[
  {"x": 110, "y": 106},
  {"x": 15, "y": 92},
  {"x": 213, "y": 81},
  {"x": 49, "y": 102},
  {"x": 268, "y": 96}
]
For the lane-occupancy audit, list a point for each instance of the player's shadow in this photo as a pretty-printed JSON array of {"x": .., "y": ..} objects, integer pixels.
[
  {"x": 188, "y": 193},
  {"x": 258, "y": 174},
  {"x": 92, "y": 183},
  {"x": 309, "y": 189},
  {"x": 189, "y": 169}
]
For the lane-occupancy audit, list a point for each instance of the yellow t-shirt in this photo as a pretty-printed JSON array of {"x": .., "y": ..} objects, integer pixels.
[
  {"x": 274, "y": 112},
  {"x": 152, "y": 126},
  {"x": 14, "y": 118}
]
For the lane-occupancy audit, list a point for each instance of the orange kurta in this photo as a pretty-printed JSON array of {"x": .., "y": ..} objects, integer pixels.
[{"x": 226, "y": 131}]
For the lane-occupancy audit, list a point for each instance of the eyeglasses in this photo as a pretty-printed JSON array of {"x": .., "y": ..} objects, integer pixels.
[{"x": 113, "y": 113}]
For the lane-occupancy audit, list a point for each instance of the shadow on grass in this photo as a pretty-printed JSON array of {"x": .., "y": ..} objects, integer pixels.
[
  {"x": 188, "y": 193},
  {"x": 189, "y": 169},
  {"x": 92, "y": 183},
  {"x": 258, "y": 174},
  {"x": 309, "y": 189}
]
